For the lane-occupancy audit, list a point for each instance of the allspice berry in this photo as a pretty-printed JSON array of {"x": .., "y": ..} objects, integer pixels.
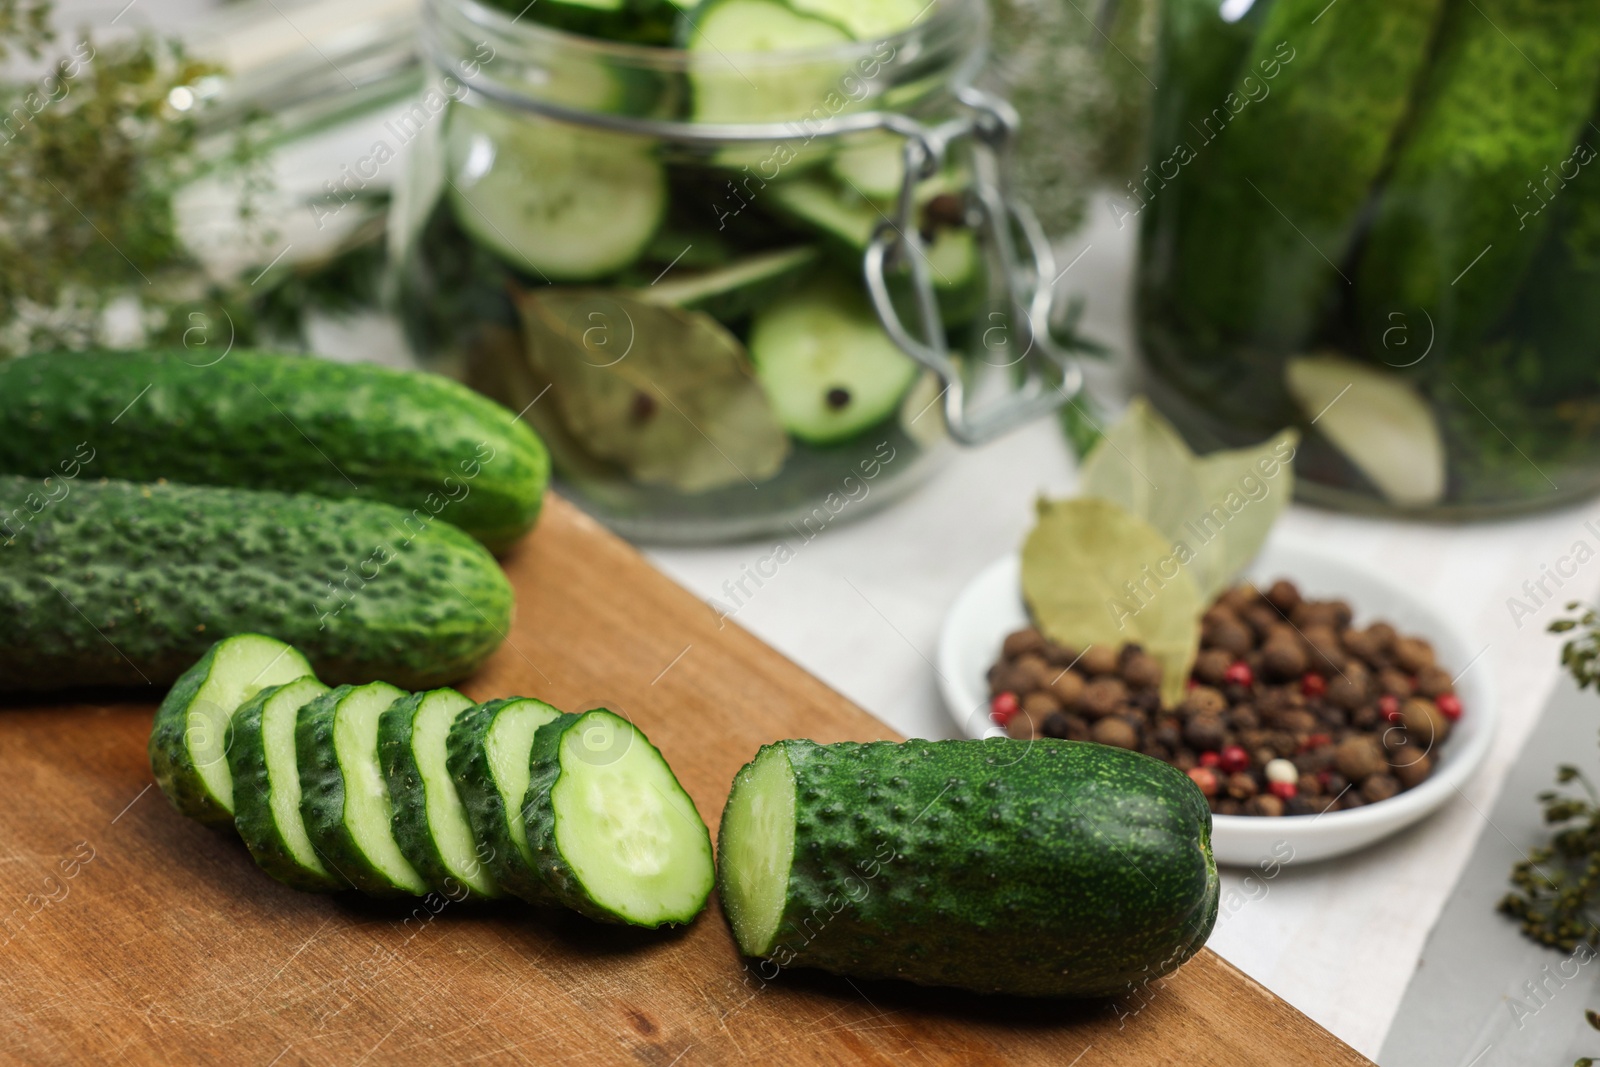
[
  {"x": 1349, "y": 688},
  {"x": 1205, "y": 732},
  {"x": 1211, "y": 664},
  {"x": 1283, "y": 595},
  {"x": 1024, "y": 727},
  {"x": 1067, "y": 687},
  {"x": 1283, "y": 658},
  {"x": 1413, "y": 773},
  {"x": 1098, "y": 659},
  {"x": 1022, "y": 641},
  {"x": 1203, "y": 700},
  {"x": 1394, "y": 682},
  {"x": 1060, "y": 656},
  {"x": 1039, "y": 706},
  {"x": 1327, "y": 652},
  {"x": 1067, "y": 726},
  {"x": 1363, "y": 644},
  {"x": 1433, "y": 681},
  {"x": 1264, "y": 804},
  {"x": 1425, "y": 725},
  {"x": 1240, "y": 786},
  {"x": 1379, "y": 787},
  {"x": 1228, "y": 634},
  {"x": 1103, "y": 696},
  {"x": 1032, "y": 672},
  {"x": 1413, "y": 654},
  {"x": 1141, "y": 671},
  {"x": 1113, "y": 730},
  {"x": 1359, "y": 757}
]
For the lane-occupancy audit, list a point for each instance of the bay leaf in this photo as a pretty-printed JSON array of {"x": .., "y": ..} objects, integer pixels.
[
  {"x": 666, "y": 394},
  {"x": 1219, "y": 508},
  {"x": 1095, "y": 574},
  {"x": 1245, "y": 490}
]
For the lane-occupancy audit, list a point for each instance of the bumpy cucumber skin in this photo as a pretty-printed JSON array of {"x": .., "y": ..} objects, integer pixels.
[
  {"x": 545, "y": 763},
  {"x": 169, "y": 754},
  {"x": 322, "y": 798},
  {"x": 468, "y": 760},
  {"x": 417, "y": 441},
  {"x": 409, "y": 796},
  {"x": 1044, "y": 868},
  {"x": 151, "y": 575},
  {"x": 252, "y": 792},
  {"x": 1510, "y": 88}
]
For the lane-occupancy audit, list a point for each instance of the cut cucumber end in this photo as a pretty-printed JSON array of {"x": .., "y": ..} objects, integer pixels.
[
  {"x": 277, "y": 738},
  {"x": 367, "y": 808},
  {"x": 756, "y": 849},
  {"x": 625, "y": 828}
]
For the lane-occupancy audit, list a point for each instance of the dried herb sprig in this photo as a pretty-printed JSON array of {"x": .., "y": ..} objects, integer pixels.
[{"x": 1558, "y": 884}]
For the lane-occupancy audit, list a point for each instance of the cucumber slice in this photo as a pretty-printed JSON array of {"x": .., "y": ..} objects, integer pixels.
[
  {"x": 266, "y": 779},
  {"x": 343, "y": 798},
  {"x": 488, "y": 753},
  {"x": 826, "y": 364},
  {"x": 875, "y": 167},
  {"x": 838, "y": 214},
  {"x": 1378, "y": 421},
  {"x": 734, "y": 291},
  {"x": 865, "y": 20},
  {"x": 429, "y": 823},
  {"x": 614, "y": 834},
  {"x": 562, "y": 203},
  {"x": 188, "y": 742},
  {"x": 727, "y": 91}
]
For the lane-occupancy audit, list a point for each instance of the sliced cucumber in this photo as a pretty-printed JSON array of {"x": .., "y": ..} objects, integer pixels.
[
  {"x": 266, "y": 777},
  {"x": 826, "y": 364},
  {"x": 343, "y": 798},
  {"x": 429, "y": 823},
  {"x": 874, "y": 167},
  {"x": 755, "y": 849},
  {"x": 835, "y": 213},
  {"x": 865, "y": 20},
  {"x": 489, "y": 749},
  {"x": 727, "y": 91},
  {"x": 614, "y": 834},
  {"x": 188, "y": 742},
  {"x": 736, "y": 290},
  {"x": 1378, "y": 420},
  {"x": 562, "y": 203}
]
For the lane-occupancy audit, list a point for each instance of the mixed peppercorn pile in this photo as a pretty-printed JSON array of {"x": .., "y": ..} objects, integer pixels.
[{"x": 1289, "y": 710}]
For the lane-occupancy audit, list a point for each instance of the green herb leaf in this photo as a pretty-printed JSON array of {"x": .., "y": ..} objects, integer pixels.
[
  {"x": 1094, "y": 574},
  {"x": 666, "y": 394}
]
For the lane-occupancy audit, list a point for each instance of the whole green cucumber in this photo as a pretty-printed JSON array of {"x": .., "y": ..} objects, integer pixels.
[
  {"x": 1506, "y": 98},
  {"x": 1043, "y": 868},
  {"x": 114, "y": 583},
  {"x": 257, "y": 420}
]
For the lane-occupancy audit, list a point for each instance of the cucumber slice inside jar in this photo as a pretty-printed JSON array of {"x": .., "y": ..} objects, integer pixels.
[
  {"x": 188, "y": 741},
  {"x": 343, "y": 797},
  {"x": 724, "y": 30},
  {"x": 826, "y": 364},
  {"x": 266, "y": 778},
  {"x": 614, "y": 834},
  {"x": 734, "y": 291},
  {"x": 864, "y": 20},
  {"x": 489, "y": 749},
  {"x": 429, "y": 822},
  {"x": 563, "y": 203}
]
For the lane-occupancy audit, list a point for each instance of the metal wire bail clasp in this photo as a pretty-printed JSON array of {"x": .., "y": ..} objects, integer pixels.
[{"x": 1048, "y": 376}]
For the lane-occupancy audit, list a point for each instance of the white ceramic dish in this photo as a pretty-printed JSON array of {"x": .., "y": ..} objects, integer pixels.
[{"x": 991, "y": 606}]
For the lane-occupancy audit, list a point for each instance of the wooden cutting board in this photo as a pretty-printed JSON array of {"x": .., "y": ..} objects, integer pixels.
[{"x": 132, "y": 935}]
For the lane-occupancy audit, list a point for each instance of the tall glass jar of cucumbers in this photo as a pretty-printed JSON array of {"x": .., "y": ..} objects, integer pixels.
[
  {"x": 745, "y": 264},
  {"x": 1381, "y": 222}
]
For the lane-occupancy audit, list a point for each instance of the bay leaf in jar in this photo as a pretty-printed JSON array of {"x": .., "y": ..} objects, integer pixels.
[{"x": 668, "y": 395}]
